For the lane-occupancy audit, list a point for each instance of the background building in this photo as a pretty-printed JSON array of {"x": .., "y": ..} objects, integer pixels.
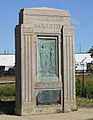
[
  {"x": 82, "y": 60},
  {"x": 7, "y": 60}
]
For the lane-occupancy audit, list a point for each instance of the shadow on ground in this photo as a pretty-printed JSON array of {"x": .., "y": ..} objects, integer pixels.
[
  {"x": 90, "y": 119},
  {"x": 7, "y": 107}
]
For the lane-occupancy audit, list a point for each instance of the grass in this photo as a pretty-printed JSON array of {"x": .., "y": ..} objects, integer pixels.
[
  {"x": 84, "y": 102},
  {"x": 7, "y": 98},
  {"x": 7, "y": 92},
  {"x": 87, "y": 101}
]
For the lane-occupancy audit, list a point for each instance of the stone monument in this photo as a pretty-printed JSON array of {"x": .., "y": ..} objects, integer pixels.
[{"x": 45, "y": 71}]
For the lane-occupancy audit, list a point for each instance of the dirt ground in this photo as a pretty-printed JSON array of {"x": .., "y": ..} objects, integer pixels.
[
  {"x": 7, "y": 78},
  {"x": 81, "y": 114}
]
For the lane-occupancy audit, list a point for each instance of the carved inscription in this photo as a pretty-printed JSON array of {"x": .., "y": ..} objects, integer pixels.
[{"x": 48, "y": 26}]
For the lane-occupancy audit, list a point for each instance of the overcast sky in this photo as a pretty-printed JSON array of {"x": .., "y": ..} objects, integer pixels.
[{"x": 81, "y": 17}]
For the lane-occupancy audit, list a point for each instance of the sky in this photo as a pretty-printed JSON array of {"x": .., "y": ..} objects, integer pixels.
[{"x": 81, "y": 17}]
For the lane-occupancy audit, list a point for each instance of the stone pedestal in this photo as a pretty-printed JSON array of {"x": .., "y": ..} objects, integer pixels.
[{"x": 45, "y": 72}]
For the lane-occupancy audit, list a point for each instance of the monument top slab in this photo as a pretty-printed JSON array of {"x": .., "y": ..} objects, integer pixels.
[
  {"x": 45, "y": 11},
  {"x": 29, "y": 15}
]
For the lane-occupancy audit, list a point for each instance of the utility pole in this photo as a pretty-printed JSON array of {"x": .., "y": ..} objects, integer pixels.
[{"x": 83, "y": 87}]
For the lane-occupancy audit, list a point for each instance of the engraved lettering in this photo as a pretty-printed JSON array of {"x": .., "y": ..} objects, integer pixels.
[{"x": 47, "y": 26}]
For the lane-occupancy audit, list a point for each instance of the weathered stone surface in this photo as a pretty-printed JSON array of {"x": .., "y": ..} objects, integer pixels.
[{"x": 57, "y": 67}]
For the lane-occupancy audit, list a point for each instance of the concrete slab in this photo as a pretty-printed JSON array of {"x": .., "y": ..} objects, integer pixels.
[{"x": 81, "y": 114}]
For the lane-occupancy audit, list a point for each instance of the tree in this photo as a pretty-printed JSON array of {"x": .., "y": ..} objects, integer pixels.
[{"x": 91, "y": 51}]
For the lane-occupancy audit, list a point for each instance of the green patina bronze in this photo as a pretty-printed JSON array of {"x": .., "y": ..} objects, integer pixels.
[
  {"x": 47, "y": 62},
  {"x": 48, "y": 97}
]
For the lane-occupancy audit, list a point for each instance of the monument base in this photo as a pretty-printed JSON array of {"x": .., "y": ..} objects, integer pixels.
[
  {"x": 29, "y": 109},
  {"x": 70, "y": 106}
]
